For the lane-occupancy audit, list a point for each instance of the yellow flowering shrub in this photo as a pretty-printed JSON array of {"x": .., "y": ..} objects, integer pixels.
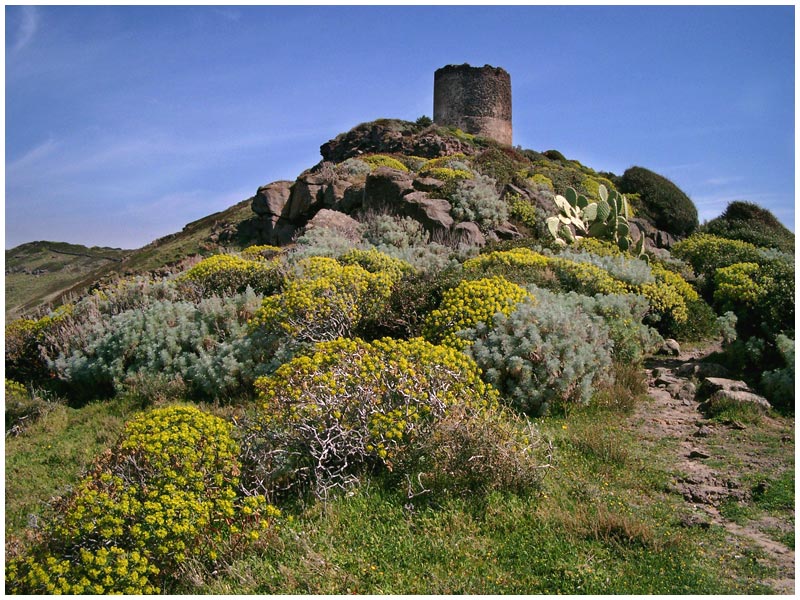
[
  {"x": 168, "y": 492},
  {"x": 707, "y": 253},
  {"x": 665, "y": 301},
  {"x": 375, "y": 261},
  {"x": 517, "y": 257},
  {"x": 324, "y": 300},
  {"x": 586, "y": 278},
  {"x": 27, "y": 342},
  {"x": 470, "y": 303},
  {"x": 225, "y": 274},
  {"x": 674, "y": 280},
  {"x": 260, "y": 253},
  {"x": 381, "y": 160},
  {"x": 443, "y": 161},
  {"x": 739, "y": 285},
  {"x": 353, "y": 403}
]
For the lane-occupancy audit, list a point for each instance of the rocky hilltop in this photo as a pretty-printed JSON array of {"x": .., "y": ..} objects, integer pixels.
[{"x": 401, "y": 168}]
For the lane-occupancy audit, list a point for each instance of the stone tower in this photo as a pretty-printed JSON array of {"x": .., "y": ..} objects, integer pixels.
[{"x": 474, "y": 99}]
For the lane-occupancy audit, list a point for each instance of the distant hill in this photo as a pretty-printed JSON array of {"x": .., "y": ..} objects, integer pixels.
[{"x": 41, "y": 273}]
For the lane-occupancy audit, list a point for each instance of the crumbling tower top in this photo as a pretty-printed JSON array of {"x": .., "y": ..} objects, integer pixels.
[{"x": 474, "y": 99}]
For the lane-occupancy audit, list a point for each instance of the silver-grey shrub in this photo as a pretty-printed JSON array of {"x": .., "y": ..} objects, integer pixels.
[
  {"x": 629, "y": 270},
  {"x": 203, "y": 344},
  {"x": 477, "y": 200},
  {"x": 546, "y": 354}
]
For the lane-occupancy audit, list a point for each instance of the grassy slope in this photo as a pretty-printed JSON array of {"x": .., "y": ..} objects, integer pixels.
[
  {"x": 69, "y": 274},
  {"x": 61, "y": 265},
  {"x": 604, "y": 522}
]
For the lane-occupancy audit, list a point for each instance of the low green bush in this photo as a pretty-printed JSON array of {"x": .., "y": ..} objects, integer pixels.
[
  {"x": 477, "y": 200},
  {"x": 660, "y": 201}
]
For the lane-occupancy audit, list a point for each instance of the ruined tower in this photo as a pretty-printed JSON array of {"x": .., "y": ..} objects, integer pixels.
[{"x": 474, "y": 99}]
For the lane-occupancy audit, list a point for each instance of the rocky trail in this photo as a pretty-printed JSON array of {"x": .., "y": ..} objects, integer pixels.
[{"x": 713, "y": 459}]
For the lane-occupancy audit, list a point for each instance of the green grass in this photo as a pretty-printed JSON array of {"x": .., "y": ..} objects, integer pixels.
[
  {"x": 601, "y": 523},
  {"x": 52, "y": 452}
]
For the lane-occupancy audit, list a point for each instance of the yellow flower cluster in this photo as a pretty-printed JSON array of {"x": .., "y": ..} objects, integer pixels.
[
  {"x": 168, "y": 492},
  {"x": 375, "y": 261},
  {"x": 102, "y": 571},
  {"x": 586, "y": 278},
  {"x": 381, "y": 160},
  {"x": 227, "y": 274},
  {"x": 706, "y": 252},
  {"x": 669, "y": 278},
  {"x": 323, "y": 301},
  {"x": 374, "y": 395},
  {"x": 664, "y": 300},
  {"x": 518, "y": 257},
  {"x": 260, "y": 253},
  {"x": 443, "y": 161},
  {"x": 738, "y": 284},
  {"x": 470, "y": 303},
  {"x": 667, "y": 296},
  {"x": 15, "y": 389}
]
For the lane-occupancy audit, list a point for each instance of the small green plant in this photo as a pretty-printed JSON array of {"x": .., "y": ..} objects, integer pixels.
[{"x": 543, "y": 355}]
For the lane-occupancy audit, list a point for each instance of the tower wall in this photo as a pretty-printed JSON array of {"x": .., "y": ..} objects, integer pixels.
[{"x": 474, "y": 99}]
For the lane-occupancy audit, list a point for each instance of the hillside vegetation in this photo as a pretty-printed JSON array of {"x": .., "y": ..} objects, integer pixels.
[{"x": 436, "y": 386}]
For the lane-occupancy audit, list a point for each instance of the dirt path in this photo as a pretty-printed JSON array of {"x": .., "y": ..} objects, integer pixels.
[{"x": 673, "y": 415}]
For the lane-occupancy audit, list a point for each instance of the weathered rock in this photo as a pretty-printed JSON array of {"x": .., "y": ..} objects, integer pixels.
[
  {"x": 393, "y": 136},
  {"x": 659, "y": 394},
  {"x": 726, "y": 397},
  {"x": 506, "y": 231},
  {"x": 670, "y": 348},
  {"x": 282, "y": 232},
  {"x": 271, "y": 199},
  {"x": 667, "y": 380},
  {"x": 687, "y": 391},
  {"x": 432, "y": 213},
  {"x": 702, "y": 369},
  {"x": 385, "y": 188},
  {"x": 307, "y": 198},
  {"x": 468, "y": 234},
  {"x": 427, "y": 184},
  {"x": 699, "y": 454},
  {"x": 710, "y": 385},
  {"x": 352, "y": 199},
  {"x": 337, "y": 221},
  {"x": 333, "y": 194}
]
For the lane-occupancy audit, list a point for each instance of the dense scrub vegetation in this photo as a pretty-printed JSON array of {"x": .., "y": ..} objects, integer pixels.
[{"x": 395, "y": 379}]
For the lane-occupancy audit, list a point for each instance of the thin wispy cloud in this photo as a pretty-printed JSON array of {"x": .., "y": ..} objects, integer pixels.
[
  {"x": 28, "y": 26},
  {"x": 32, "y": 156}
]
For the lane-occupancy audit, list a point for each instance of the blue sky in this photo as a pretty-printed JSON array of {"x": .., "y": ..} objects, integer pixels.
[{"x": 125, "y": 123}]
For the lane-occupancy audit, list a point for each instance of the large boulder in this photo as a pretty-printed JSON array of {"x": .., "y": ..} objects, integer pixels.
[
  {"x": 307, "y": 197},
  {"x": 468, "y": 234},
  {"x": 385, "y": 188},
  {"x": 271, "y": 199},
  {"x": 432, "y": 213},
  {"x": 337, "y": 221},
  {"x": 719, "y": 392}
]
